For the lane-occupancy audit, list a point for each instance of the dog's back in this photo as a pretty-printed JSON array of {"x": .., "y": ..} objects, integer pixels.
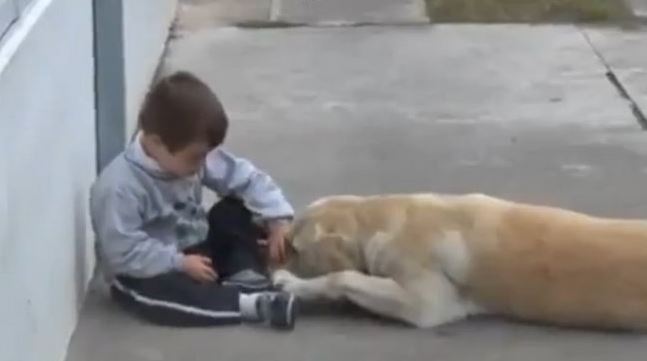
[{"x": 558, "y": 266}]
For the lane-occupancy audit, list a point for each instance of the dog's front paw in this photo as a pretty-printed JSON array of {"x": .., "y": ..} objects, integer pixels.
[{"x": 288, "y": 282}]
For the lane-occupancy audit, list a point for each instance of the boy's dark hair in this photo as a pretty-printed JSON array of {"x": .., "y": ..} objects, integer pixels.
[{"x": 181, "y": 109}]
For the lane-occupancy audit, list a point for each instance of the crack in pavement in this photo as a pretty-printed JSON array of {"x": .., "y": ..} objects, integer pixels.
[{"x": 638, "y": 113}]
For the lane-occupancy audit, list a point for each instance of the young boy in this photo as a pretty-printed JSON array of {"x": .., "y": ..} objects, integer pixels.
[{"x": 165, "y": 258}]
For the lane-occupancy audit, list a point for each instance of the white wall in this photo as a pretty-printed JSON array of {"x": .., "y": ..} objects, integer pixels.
[
  {"x": 146, "y": 26},
  {"x": 47, "y": 162},
  {"x": 48, "y": 159}
]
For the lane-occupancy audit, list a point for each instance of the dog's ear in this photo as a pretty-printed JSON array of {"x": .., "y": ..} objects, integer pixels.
[
  {"x": 289, "y": 243},
  {"x": 335, "y": 249},
  {"x": 295, "y": 229}
]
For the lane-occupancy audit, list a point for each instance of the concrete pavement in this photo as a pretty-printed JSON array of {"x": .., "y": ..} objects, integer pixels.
[
  {"x": 516, "y": 111},
  {"x": 381, "y": 12},
  {"x": 197, "y": 14},
  {"x": 465, "y": 100},
  {"x": 625, "y": 55},
  {"x": 639, "y": 7}
]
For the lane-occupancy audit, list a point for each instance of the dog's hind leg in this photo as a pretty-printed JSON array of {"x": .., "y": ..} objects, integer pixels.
[{"x": 426, "y": 302}]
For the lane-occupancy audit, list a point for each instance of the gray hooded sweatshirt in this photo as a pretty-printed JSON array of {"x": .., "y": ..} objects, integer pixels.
[{"x": 143, "y": 217}]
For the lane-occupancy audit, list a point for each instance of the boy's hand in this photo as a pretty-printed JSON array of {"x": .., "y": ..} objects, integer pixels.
[
  {"x": 199, "y": 268},
  {"x": 278, "y": 230}
]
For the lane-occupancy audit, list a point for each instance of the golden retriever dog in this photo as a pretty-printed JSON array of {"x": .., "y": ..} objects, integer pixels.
[{"x": 429, "y": 259}]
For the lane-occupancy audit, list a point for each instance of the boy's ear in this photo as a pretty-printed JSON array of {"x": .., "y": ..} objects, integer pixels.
[{"x": 153, "y": 140}]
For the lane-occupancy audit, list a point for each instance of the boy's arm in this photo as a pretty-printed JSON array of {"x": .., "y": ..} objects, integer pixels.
[
  {"x": 227, "y": 174},
  {"x": 126, "y": 248}
]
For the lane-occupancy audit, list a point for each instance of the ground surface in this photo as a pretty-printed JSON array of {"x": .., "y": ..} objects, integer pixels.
[{"x": 521, "y": 112}]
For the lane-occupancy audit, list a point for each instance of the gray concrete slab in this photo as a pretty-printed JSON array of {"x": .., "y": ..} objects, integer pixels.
[
  {"x": 447, "y": 97},
  {"x": 515, "y": 111},
  {"x": 626, "y": 53},
  {"x": 639, "y": 7},
  {"x": 344, "y": 11},
  {"x": 198, "y": 14},
  {"x": 105, "y": 334}
]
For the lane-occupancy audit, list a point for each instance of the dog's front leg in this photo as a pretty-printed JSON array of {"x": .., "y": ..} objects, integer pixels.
[
  {"x": 308, "y": 289},
  {"x": 382, "y": 296},
  {"x": 428, "y": 301}
]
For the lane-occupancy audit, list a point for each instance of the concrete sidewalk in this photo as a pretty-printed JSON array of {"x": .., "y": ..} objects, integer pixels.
[
  {"x": 196, "y": 14},
  {"x": 199, "y": 14},
  {"x": 624, "y": 53},
  {"x": 515, "y": 111},
  {"x": 639, "y": 7}
]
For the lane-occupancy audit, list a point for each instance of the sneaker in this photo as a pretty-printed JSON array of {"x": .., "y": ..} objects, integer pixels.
[
  {"x": 278, "y": 308},
  {"x": 248, "y": 281}
]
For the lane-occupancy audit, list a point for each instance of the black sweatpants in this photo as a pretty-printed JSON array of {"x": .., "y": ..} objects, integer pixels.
[{"x": 175, "y": 299}]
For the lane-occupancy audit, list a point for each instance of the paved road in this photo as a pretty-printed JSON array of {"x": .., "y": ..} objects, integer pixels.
[{"x": 521, "y": 112}]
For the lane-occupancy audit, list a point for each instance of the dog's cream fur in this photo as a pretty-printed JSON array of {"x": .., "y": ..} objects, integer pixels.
[{"x": 429, "y": 259}]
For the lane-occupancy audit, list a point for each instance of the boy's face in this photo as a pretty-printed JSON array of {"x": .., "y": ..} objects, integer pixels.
[{"x": 181, "y": 163}]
